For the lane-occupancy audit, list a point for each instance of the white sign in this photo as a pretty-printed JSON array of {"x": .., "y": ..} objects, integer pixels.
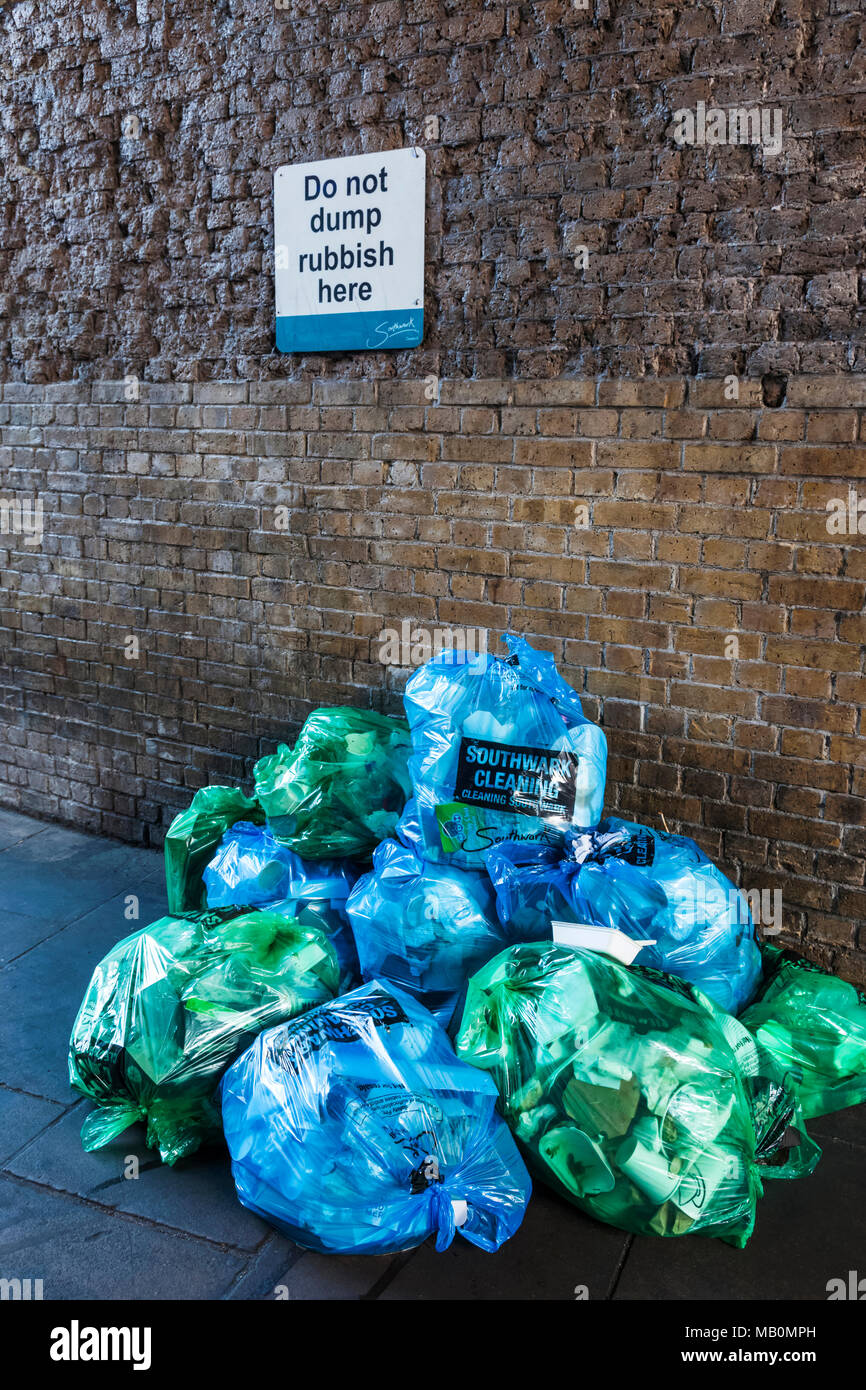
[{"x": 349, "y": 252}]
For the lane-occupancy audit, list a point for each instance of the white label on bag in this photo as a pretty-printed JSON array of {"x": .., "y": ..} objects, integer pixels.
[
  {"x": 608, "y": 940},
  {"x": 741, "y": 1043}
]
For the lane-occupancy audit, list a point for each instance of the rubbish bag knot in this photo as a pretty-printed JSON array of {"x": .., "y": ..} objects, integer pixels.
[
  {"x": 593, "y": 844},
  {"x": 444, "y": 1215}
]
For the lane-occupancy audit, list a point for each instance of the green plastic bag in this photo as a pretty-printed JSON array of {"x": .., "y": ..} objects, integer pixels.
[
  {"x": 814, "y": 1024},
  {"x": 170, "y": 1007},
  {"x": 343, "y": 786},
  {"x": 783, "y": 1148},
  {"x": 622, "y": 1089},
  {"x": 193, "y": 838}
]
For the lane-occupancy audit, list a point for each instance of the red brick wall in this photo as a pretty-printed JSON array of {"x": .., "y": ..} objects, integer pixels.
[{"x": 707, "y": 520}]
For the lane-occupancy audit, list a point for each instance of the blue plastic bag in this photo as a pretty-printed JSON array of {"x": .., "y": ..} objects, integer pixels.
[
  {"x": 408, "y": 828},
  {"x": 501, "y": 751},
  {"x": 361, "y": 1132},
  {"x": 424, "y": 927},
  {"x": 649, "y": 885},
  {"x": 252, "y": 869}
]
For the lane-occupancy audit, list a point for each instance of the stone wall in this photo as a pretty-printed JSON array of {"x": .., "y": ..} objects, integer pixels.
[{"x": 139, "y": 139}]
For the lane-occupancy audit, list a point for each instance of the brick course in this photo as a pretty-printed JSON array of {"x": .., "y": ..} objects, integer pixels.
[{"x": 164, "y": 522}]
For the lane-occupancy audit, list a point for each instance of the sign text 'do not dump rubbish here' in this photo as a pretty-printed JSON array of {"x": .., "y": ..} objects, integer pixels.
[{"x": 349, "y": 252}]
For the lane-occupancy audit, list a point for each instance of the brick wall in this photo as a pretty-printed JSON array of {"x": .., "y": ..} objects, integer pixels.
[
  {"x": 706, "y": 521},
  {"x": 226, "y": 535},
  {"x": 139, "y": 140}
]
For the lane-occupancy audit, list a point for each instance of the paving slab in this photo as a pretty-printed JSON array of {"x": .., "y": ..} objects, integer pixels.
[
  {"x": 22, "y": 1117},
  {"x": 20, "y": 932},
  {"x": 266, "y": 1270},
  {"x": 14, "y": 827},
  {"x": 58, "y": 874},
  {"x": 847, "y": 1125},
  {"x": 342, "y": 1278},
  {"x": 556, "y": 1254},
  {"x": 41, "y": 991},
  {"x": 81, "y": 1251},
  {"x": 195, "y": 1195},
  {"x": 80, "y": 853},
  {"x": 807, "y": 1232}
]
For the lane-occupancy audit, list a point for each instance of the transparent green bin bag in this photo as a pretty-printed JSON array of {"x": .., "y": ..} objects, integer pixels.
[
  {"x": 621, "y": 1088},
  {"x": 343, "y": 786},
  {"x": 193, "y": 838},
  {"x": 783, "y": 1148},
  {"x": 170, "y": 1007},
  {"x": 814, "y": 1024}
]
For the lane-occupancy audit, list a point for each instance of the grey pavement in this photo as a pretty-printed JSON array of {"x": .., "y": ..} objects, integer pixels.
[{"x": 75, "y": 1221}]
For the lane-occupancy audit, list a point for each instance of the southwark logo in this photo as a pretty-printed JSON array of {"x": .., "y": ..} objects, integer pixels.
[{"x": 531, "y": 781}]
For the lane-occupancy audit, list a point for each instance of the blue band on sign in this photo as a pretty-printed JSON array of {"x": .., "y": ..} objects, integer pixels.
[{"x": 392, "y": 328}]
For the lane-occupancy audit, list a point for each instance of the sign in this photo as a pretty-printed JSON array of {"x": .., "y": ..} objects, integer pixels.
[
  {"x": 539, "y": 782},
  {"x": 349, "y": 252}
]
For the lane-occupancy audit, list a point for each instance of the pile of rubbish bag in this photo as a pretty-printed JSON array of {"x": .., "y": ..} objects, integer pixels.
[{"x": 611, "y": 1016}]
